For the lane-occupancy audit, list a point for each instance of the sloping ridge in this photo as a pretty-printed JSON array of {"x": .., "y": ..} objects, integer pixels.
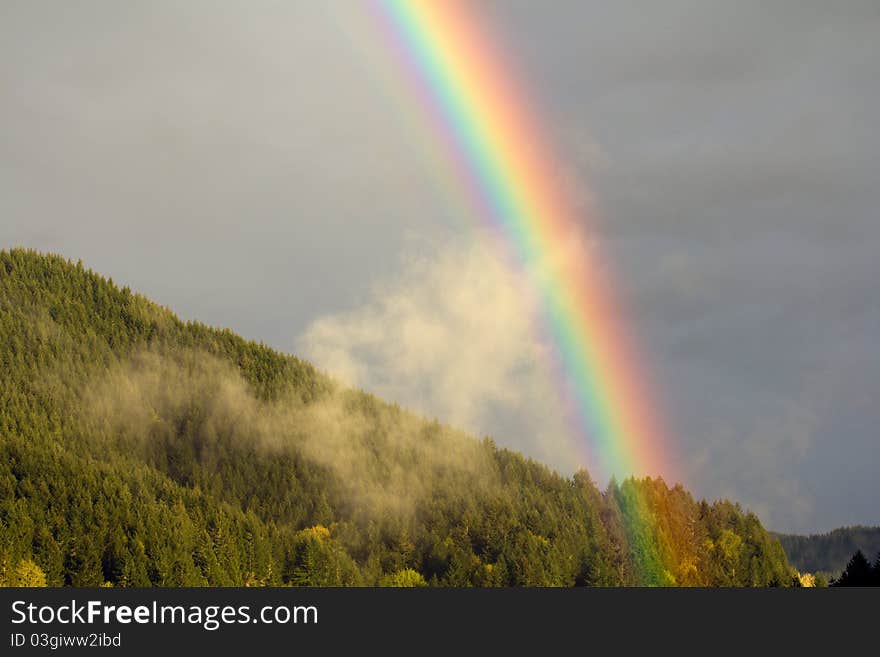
[
  {"x": 829, "y": 553},
  {"x": 138, "y": 449}
]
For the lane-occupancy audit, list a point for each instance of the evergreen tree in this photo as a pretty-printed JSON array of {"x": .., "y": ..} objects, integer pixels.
[
  {"x": 137, "y": 449},
  {"x": 858, "y": 572}
]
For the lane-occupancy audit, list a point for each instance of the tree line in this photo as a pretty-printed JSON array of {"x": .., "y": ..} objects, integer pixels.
[
  {"x": 830, "y": 552},
  {"x": 186, "y": 494},
  {"x": 859, "y": 572}
]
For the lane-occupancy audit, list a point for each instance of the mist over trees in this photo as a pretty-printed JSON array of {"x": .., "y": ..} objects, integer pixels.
[{"x": 137, "y": 449}]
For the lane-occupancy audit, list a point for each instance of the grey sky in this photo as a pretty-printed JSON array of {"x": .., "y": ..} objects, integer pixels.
[{"x": 243, "y": 164}]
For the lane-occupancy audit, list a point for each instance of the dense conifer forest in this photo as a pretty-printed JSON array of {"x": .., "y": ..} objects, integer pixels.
[
  {"x": 831, "y": 552},
  {"x": 137, "y": 449}
]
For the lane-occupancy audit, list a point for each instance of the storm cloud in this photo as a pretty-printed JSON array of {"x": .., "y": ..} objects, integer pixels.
[{"x": 248, "y": 165}]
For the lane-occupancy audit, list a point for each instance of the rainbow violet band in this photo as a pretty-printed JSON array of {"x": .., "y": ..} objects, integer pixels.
[{"x": 504, "y": 164}]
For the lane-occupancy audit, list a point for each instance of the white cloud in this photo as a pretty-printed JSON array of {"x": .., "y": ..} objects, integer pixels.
[{"x": 452, "y": 336}]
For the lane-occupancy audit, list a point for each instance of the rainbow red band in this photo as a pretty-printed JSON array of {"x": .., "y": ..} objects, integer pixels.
[{"x": 506, "y": 168}]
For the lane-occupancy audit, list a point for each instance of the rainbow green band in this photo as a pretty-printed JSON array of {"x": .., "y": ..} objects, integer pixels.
[{"x": 504, "y": 166}]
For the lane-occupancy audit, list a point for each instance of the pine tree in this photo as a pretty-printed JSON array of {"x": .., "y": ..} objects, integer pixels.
[{"x": 858, "y": 572}]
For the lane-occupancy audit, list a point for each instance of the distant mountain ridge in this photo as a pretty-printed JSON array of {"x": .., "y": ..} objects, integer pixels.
[
  {"x": 830, "y": 552},
  {"x": 137, "y": 450}
]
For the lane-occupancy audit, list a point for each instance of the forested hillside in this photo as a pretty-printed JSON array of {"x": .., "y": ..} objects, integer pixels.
[
  {"x": 829, "y": 553},
  {"x": 137, "y": 450}
]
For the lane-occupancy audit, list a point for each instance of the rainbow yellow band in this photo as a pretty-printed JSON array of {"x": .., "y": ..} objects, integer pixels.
[{"x": 502, "y": 159}]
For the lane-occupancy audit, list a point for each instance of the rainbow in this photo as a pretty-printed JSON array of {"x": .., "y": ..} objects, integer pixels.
[{"x": 505, "y": 167}]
